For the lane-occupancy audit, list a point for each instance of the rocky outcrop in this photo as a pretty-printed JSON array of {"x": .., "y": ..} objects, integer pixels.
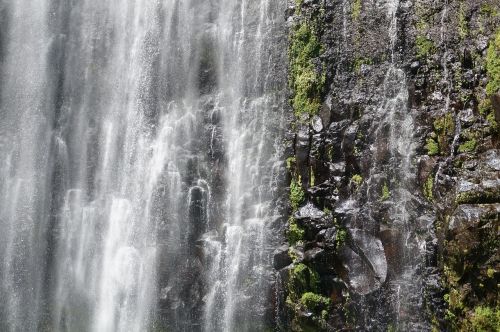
[{"x": 438, "y": 66}]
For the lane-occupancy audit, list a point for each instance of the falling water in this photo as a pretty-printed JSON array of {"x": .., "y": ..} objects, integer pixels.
[
  {"x": 447, "y": 87},
  {"x": 253, "y": 168},
  {"x": 138, "y": 166},
  {"x": 384, "y": 269},
  {"x": 25, "y": 167}
]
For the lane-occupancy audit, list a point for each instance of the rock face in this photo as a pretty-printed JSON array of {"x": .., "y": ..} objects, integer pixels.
[{"x": 394, "y": 171}]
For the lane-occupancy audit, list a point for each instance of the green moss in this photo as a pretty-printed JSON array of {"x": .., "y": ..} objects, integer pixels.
[
  {"x": 290, "y": 161},
  {"x": 358, "y": 62},
  {"x": 488, "y": 10},
  {"x": 303, "y": 286},
  {"x": 385, "y": 192},
  {"x": 340, "y": 237},
  {"x": 297, "y": 194},
  {"x": 425, "y": 47},
  {"x": 432, "y": 147},
  {"x": 312, "y": 178},
  {"x": 305, "y": 80},
  {"x": 444, "y": 127},
  {"x": 357, "y": 179},
  {"x": 445, "y": 124},
  {"x": 485, "y": 107},
  {"x": 455, "y": 300},
  {"x": 493, "y": 65},
  {"x": 295, "y": 233},
  {"x": 324, "y": 314},
  {"x": 293, "y": 255},
  {"x": 468, "y": 146},
  {"x": 356, "y": 10},
  {"x": 302, "y": 279},
  {"x": 463, "y": 28},
  {"x": 330, "y": 153},
  {"x": 487, "y": 111},
  {"x": 492, "y": 121},
  {"x": 478, "y": 196},
  {"x": 428, "y": 185},
  {"x": 314, "y": 302},
  {"x": 298, "y": 3},
  {"x": 306, "y": 99},
  {"x": 485, "y": 319},
  {"x": 422, "y": 24}
]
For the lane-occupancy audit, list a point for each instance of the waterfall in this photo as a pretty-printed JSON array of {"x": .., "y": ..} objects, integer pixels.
[
  {"x": 141, "y": 146},
  {"x": 387, "y": 250},
  {"x": 24, "y": 207}
]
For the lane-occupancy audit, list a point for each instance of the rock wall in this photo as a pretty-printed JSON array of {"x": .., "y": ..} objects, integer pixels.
[{"x": 345, "y": 251}]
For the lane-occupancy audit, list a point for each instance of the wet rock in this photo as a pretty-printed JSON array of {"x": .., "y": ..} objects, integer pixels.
[
  {"x": 442, "y": 106},
  {"x": 281, "y": 257},
  {"x": 481, "y": 43},
  {"x": 312, "y": 220},
  {"x": 495, "y": 101},
  {"x": 470, "y": 164},
  {"x": 313, "y": 254},
  {"x": 309, "y": 211},
  {"x": 349, "y": 137},
  {"x": 415, "y": 65},
  {"x": 492, "y": 159},
  {"x": 317, "y": 124},
  {"x": 366, "y": 263},
  {"x": 337, "y": 168},
  {"x": 467, "y": 117},
  {"x": 467, "y": 215}
]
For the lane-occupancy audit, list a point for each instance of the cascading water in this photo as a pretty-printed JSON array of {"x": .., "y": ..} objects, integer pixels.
[
  {"x": 254, "y": 169},
  {"x": 25, "y": 165},
  {"x": 138, "y": 165},
  {"x": 388, "y": 236}
]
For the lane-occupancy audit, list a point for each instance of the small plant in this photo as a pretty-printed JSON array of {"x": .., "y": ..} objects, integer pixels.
[
  {"x": 305, "y": 79},
  {"x": 314, "y": 302},
  {"x": 385, "y": 192},
  {"x": 290, "y": 161},
  {"x": 462, "y": 21},
  {"x": 444, "y": 127},
  {"x": 357, "y": 179},
  {"x": 356, "y": 10},
  {"x": 493, "y": 65},
  {"x": 485, "y": 319},
  {"x": 297, "y": 194},
  {"x": 445, "y": 124},
  {"x": 330, "y": 153},
  {"x": 432, "y": 147},
  {"x": 340, "y": 237},
  {"x": 424, "y": 47},
  {"x": 428, "y": 185},
  {"x": 295, "y": 233},
  {"x": 302, "y": 279},
  {"x": 312, "y": 178},
  {"x": 468, "y": 146},
  {"x": 293, "y": 255},
  {"x": 357, "y": 68}
]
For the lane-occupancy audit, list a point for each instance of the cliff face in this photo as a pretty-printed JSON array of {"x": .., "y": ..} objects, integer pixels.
[{"x": 394, "y": 166}]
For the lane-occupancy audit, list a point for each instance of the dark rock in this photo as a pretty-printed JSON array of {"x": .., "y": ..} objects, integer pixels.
[
  {"x": 281, "y": 257},
  {"x": 365, "y": 260},
  {"x": 495, "y": 101},
  {"x": 467, "y": 215},
  {"x": 313, "y": 254}
]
